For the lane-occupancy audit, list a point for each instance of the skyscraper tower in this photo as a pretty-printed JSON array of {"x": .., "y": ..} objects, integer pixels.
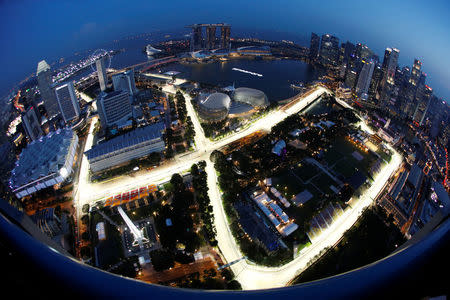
[
  {"x": 210, "y": 37},
  {"x": 422, "y": 105},
  {"x": 31, "y": 124},
  {"x": 314, "y": 47},
  {"x": 329, "y": 50},
  {"x": 365, "y": 76},
  {"x": 125, "y": 82},
  {"x": 198, "y": 43},
  {"x": 101, "y": 72},
  {"x": 390, "y": 64},
  {"x": 45, "y": 83},
  {"x": 415, "y": 72},
  {"x": 225, "y": 37},
  {"x": 67, "y": 101},
  {"x": 350, "y": 78},
  {"x": 376, "y": 79}
]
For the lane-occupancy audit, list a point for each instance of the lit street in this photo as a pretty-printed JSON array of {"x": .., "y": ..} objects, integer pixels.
[{"x": 249, "y": 275}]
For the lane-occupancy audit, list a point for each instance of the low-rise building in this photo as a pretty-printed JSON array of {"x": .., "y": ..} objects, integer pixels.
[
  {"x": 280, "y": 220},
  {"x": 132, "y": 145}
]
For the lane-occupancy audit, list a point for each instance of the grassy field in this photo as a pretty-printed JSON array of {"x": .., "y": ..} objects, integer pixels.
[{"x": 339, "y": 157}]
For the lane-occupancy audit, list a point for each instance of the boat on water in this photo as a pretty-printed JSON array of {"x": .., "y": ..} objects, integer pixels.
[
  {"x": 151, "y": 51},
  {"x": 299, "y": 85}
]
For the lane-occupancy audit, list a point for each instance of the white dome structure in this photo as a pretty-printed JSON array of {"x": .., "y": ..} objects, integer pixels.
[
  {"x": 253, "y": 97},
  {"x": 215, "y": 107}
]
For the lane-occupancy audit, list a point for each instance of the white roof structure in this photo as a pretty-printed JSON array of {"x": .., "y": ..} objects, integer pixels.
[
  {"x": 44, "y": 162},
  {"x": 217, "y": 101},
  {"x": 255, "y": 98},
  {"x": 42, "y": 67}
]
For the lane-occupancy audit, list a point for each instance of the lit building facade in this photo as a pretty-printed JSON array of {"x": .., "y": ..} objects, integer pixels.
[
  {"x": 329, "y": 50},
  {"x": 31, "y": 124},
  {"x": 364, "y": 79},
  {"x": 114, "y": 108},
  {"x": 208, "y": 43},
  {"x": 67, "y": 101},
  {"x": 101, "y": 73},
  {"x": 124, "y": 148},
  {"x": 125, "y": 82},
  {"x": 45, "y": 84}
]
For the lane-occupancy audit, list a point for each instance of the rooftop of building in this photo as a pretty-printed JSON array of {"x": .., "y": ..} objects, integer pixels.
[
  {"x": 128, "y": 139},
  {"x": 216, "y": 101},
  {"x": 112, "y": 94},
  {"x": 42, "y": 157},
  {"x": 42, "y": 67}
]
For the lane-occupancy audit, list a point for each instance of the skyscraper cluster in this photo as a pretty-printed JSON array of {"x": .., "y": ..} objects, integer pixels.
[
  {"x": 209, "y": 40},
  {"x": 60, "y": 100},
  {"x": 383, "y": 84}
]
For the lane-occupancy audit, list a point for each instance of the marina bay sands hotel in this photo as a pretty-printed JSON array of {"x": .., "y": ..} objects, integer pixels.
[{"x": 211, "y": 41}]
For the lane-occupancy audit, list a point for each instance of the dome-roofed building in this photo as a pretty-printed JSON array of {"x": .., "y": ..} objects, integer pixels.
[
  {"x": 215, "y": 107},
  {"x": 255, "y": 98}
]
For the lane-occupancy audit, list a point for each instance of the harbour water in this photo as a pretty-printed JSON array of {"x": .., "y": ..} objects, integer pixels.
[{"x": 277, "y": 75}]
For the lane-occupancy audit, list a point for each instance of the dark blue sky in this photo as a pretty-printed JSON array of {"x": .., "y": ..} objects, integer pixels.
[{"x": 34, "y": 30}]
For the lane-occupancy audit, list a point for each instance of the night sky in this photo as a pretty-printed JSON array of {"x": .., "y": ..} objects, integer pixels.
[{"x": 35, "y": 30}]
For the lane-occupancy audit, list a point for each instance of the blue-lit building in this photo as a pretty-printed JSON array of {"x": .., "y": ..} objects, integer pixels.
[{"x": 124, "y": 148}]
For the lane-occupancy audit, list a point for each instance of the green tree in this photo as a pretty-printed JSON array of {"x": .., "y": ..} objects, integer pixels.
[{"x": 162, "y": 259}]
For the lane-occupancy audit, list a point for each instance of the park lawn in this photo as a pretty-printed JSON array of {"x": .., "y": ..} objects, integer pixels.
[
  {"x": 305, "y": 171},
  {"x": 341, "y": 160},
  {"x": 323, "y": 182},
  {"x": 287, "y": 184}
]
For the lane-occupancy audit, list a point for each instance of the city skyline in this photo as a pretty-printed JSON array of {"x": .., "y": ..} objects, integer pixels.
[
  {"x": 199, "y": 152},
  {"x": 71, "y": 30}
]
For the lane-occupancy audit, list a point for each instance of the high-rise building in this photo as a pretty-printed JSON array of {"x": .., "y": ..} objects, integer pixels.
[
  {"x": 377, "y": 75},
  {"x": 363, "y": 52},
  {"x": 101, "y": 72},
  {"x": 329, "y": 50},
  {"x": 198, "y": 43},
  {"x": 415, "y": 72},
  {"x": 45, "y": 84},
  {"x": 350, "y": 78},
  {"x": 67, "y": 101},
  {"x": 114, "y": 109},
  {"x": 125, "y": 82},
  {"x": 390, "y": 65},
  {"x": 422, "y": 105},
  {"x": 389, "y": 69},
  {"x": 225, "y": 37},
  {"x": 365, "y": 76},
  {"x": 210, "y": 37},
  {"x": 196, "y": 40},
  {"x": 31, "y": 124},
  {"x": 314, "y": 47},
  {"x": 349, "y": 51}
]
